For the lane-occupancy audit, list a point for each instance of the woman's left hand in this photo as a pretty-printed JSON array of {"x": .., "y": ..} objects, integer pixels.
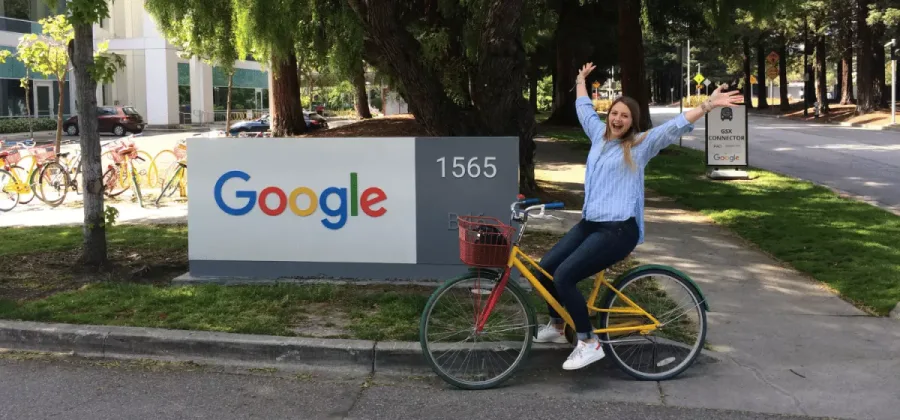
[{"x": 720, "y": 98}]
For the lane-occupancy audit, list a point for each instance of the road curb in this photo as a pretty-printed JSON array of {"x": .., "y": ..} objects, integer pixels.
[
  {"x": 361, "y": 356},
  {"x": 837, "y": 124}
]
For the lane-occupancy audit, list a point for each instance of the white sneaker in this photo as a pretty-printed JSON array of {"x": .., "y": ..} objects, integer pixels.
[
  {"x": 549, "y": 334},
  {"x": 584, "y": 354}
]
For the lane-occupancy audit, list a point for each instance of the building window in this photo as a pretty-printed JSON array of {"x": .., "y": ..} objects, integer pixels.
[
  {"x": 22, "y": 15},
  {"x": 12, "y": 98}
]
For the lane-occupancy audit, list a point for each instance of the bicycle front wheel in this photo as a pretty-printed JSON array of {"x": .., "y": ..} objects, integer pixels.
[
  {"x": 669, "y": 349},
  {"x": 53, "y": 184},
  {"x": 476, "y": 360},
  {"x": 9, "y": 191}
]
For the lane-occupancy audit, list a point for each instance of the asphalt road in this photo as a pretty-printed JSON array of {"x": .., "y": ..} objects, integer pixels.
[
  {"x": 864, "y": 163},
  {"x": 76, "y": 389}
]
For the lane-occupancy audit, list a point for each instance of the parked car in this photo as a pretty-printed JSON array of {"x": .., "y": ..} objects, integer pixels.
[
  {"x": 313, "y": 120},
  {"x": 118, "y": 120}
]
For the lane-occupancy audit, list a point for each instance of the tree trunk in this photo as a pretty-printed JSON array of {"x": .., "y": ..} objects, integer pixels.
[
  {"x": 500, "y": 80},
  {"x": 846, "y": 75},
  {"x": 782, "y": 75},
  {"x": 362, "y": 97},
  {"x": 631, "y": 57},
  {"x": 839, "y": 80},
  {"x": 59, "y": 113},
  {"x": 533, "y": 88},
  {"x": 563, "y": 110},
  {"x": 822, "y": 88},
  {"x": 94, "y": 252},
  {"x": 763, "y": 101},
  {"x": 28, "y": 103},
  {"x": 865, "y": 99},
  {"x": 881, "y": 95},
  {"x": 228, "y": 103},
  {"x": 288, "y": 120},
  {"x": 809, "y": 86},
  {"x": 748, "y": 87}
]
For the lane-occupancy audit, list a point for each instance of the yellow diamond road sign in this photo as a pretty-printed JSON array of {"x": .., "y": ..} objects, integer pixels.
[{"x": 698, "y": 78}]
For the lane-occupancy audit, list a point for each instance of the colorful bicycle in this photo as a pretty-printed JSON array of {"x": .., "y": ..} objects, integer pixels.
[{"x": 477, "y": 329}]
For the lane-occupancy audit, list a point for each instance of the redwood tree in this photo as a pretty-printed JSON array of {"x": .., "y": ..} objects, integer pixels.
[
  {"x": 495, "y": 68},
  {"x": 865, "y": 62},
  {"x": 631, "y": 57}
]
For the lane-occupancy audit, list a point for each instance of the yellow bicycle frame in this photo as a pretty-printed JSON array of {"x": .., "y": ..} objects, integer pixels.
[
  {"x": 17, "y": 184},
  {"x": 515, "y": 260}
]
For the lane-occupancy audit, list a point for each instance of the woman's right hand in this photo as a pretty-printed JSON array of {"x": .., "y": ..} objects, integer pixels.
[{"x": 586, "y": 70}]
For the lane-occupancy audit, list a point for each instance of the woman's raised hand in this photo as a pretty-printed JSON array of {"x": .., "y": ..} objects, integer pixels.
[
  {"x": 720, "y": 98},
  {"x": 586, "y": 70}
]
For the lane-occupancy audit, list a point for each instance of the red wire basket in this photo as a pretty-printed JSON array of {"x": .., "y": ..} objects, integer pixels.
[
  {"x": 484, "y": 241},
  {"x": 13, "y": 157},
  {"x": 43, "y": 154}
]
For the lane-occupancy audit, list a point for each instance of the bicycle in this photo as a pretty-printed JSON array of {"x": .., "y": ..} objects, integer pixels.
[
  {"x": 178, "y": 176},
  {"x": 491, "y": 250},
  {"x": 122, "y": 172},
  {"x": 47, "y": 169}
]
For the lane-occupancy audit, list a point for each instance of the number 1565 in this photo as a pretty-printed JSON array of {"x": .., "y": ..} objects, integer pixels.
[{"x": 473, "y": 167}]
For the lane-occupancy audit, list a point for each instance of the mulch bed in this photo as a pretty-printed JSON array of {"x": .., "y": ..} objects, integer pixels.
[
  {"x": 38, "y": 275},
  {"x": 403, "y": 125}
]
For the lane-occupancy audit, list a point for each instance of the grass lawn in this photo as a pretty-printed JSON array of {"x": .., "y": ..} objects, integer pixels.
[
  {"x": 48, "y": 286},
  {"x": 849, "y": 245}
]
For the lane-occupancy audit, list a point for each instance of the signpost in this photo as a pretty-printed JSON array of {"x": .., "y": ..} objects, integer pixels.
[
  {"x": 727, "y": 143},
  {"x": 706, "y": 83},
  {"x": 596, "y": 86},
  {"x": 353, "y": 208},
  {"x": 699, "y": 78},
  {"x": 772, "y": 71}
]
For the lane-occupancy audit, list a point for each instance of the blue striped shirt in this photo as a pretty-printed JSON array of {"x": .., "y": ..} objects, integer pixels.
[{"x": 614, "y": 191}]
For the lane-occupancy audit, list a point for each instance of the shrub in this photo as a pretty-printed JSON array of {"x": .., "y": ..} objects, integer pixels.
[
  {"x": 602, "y": 105},
  {"x": 20, "y": 125},
  {"x": 694, "y": 102}
]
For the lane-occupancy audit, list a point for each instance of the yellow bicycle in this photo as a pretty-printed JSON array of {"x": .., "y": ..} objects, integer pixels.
[
  {"x": 474, "y": 335},
  {"x": 20, "y": 186}
]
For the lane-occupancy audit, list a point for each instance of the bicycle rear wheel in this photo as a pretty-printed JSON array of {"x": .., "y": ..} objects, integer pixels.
[
  {"x": 458, "y": 354},
  {"x": 668, "y": 350}
]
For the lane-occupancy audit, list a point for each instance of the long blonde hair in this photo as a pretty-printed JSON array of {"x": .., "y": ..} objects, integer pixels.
[{"x": 628, "y": 139}]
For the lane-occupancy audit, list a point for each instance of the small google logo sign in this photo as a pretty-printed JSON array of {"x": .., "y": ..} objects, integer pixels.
[{"x": 366, "y": 201}]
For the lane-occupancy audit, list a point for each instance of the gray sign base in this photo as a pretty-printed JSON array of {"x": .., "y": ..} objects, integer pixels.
[{"x": 727, "y": 174}]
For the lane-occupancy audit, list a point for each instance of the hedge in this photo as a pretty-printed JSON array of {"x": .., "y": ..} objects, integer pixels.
[{"x": 20, "y": 125}]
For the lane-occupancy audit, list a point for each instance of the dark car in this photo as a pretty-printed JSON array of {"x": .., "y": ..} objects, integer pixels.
[
  {"x": 313, "y": 120},
  {"x": 112, "y": 119}
]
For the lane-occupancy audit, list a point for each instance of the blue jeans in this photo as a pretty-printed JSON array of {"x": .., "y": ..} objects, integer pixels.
[{"x": 587, "y": 249}]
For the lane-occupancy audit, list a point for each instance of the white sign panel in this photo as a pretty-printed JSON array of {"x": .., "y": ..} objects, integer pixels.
[
  {"x": 352, "y": 201},
  {"x": 726, "y": 136}
]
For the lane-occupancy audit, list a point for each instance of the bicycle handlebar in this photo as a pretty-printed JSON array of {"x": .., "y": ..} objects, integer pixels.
[{"x": 533, "y": 204}]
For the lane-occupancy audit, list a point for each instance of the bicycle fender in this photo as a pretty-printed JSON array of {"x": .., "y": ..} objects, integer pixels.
[{"x": 646, "y": 267}]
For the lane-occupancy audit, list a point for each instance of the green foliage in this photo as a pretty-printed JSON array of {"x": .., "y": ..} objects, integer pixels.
[
  {"x": 545, "y": 94},
  {"x": 202, "y": 29},
  {"x": 88, "y": 12},
  {"x": 106, "y": 64},
  {"x": 47, "y": 53},
  {"x": 23, "y": 125}
]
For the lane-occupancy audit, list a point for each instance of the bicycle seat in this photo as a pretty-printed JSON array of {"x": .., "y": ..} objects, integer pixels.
[{"x": 66, "y": 154}]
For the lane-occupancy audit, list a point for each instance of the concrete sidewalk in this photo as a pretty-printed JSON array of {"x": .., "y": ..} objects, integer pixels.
[{"x": 789, "y": 345}]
